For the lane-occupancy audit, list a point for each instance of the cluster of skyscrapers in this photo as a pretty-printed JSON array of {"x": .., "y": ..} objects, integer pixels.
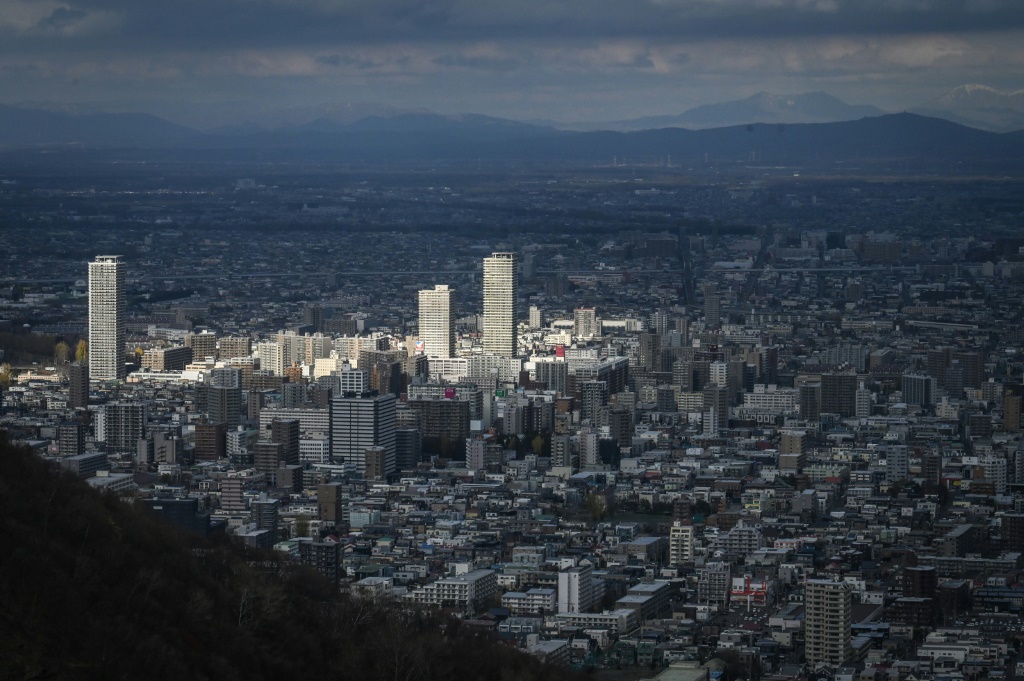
[
  {"x": 362, "y": 426},
  {"x": 500, "y": 311},
  {"x": 436, "y": 314}
]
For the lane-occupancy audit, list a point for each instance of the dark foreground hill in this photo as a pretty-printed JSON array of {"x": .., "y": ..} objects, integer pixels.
[{"x": 94, "y": 588}]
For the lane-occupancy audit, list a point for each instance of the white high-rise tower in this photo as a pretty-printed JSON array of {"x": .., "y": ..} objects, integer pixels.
[
  {"x": 106, "y": 318},
  {"x": 437, "y": 321},
  {"x": 501, "y": 289}
]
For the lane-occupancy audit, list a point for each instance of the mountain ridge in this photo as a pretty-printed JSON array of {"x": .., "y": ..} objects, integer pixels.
[
  {"x": 978, "y": 106},
  {"x": 425, "y": 136},
  {"x": 25, "y": 127},
  {"x": 762, "y": 107}
]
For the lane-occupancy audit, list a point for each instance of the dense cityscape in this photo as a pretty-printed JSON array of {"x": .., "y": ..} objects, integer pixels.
[{"x": 650, "y": 422}]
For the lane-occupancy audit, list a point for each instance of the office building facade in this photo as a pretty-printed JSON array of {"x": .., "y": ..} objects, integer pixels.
[{"x": 358, "y": 422}]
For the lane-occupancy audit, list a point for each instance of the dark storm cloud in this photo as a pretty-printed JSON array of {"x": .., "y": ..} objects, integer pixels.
[
  {"x": 574, "y": 58},
  {"x": 268, "y": 24}
]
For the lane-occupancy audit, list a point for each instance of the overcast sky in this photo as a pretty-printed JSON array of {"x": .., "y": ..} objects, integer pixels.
[{"x": 194, "y": 60}]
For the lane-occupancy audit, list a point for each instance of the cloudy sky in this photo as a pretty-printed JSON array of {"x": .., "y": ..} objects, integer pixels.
[{"x": 201, "y": 61}]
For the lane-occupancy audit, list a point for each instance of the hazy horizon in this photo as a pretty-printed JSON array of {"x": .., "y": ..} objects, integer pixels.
[{"x": 203, "y": 63}]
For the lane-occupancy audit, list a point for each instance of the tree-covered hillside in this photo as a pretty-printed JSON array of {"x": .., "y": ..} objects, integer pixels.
[{"x": 92, "y": 587}]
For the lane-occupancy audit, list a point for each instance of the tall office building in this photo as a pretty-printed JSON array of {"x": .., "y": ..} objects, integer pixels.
[
  {"x": 210, "y": 440},
  {"x": 938, "y": 360},
  {"x": 501, "y": 290},
  {"x": 562, "y": 452},
  {"x": 234, "y": 346},
  {"x": 922, "y": 582},
  {"x": 931, "y": 467},
  {"x": 222, "y": 405},
  {"x": 590, "y": 447},
  {"x": 827, "y": 622},
  {"x": 712, "y": 306},
  {"x": 358, "y": 422},
  {"x": 408, "y": 448},
  {"x": 286, "y": 433},
  {"x": 1013, "y": 398},
  {"x": 862, "y": 401},
  {"x": 203, "y": 345},
  {"x": 445, "y": 419},
  {"x": 585, "y": 323},
  {"x": 71, "y": 439},
  {"x": 385, "y": 370},
  {"x": 973, "y": 366},
  {"x": 680, "y": 543},
  {"x": 620, "y": 425},
  {"x": 918, "y": 389},
  {"x": 713, "y": 583},
  {"x": 264, "y": 513},
  {"x": 226, "y": 377},
  {"x": 839, "y": 393},
  {"x": 324, "y": 557},
  {"x": 1013, "y": 532},
  {"x": 576, "y": 589},
  {"x": 659, "y": 322},
  {"x": 649, "y": 352},
  {"x": 121, "y": 425},
  {"x": 354, "y": 380},
  {"x": 78, "y": 392},
  {"x": 810, "y": 401},
  {"x": 897, "y": 463},
  {"x": 271, "y": 357},
  {"x": 716, "y": 405},
  {"x": 266, "y": 457},
  {"x": 313, "y": 316},
  {"x": 437, "y": 321},
  {"x": 554, "y": 375},
  {"x": 594, "y": 398},
  {"x": 768, "y": 364},
  {"x": 536, "y": 317},
  {"x": 106, "y": 318}
]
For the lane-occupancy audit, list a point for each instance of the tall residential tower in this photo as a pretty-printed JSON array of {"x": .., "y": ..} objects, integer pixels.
[
  {"x": 827, "y": 622},
  {"x": 501, "y": 290},
  {"x": 106, "y": 318},
  {"x": 437, "y": 321}
]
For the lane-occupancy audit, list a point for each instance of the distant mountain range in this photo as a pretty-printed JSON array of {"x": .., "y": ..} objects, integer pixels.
[
  {"x": 345, "y": 135},
  {"x": 32, "y": 127},
  {"x": 811, "y": 107},
  {"x": 297, "y": 117},
  {"x": 978, "y": 106}
]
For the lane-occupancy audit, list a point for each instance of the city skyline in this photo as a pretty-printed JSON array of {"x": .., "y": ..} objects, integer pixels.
[{"x": 789, "y": 435}]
